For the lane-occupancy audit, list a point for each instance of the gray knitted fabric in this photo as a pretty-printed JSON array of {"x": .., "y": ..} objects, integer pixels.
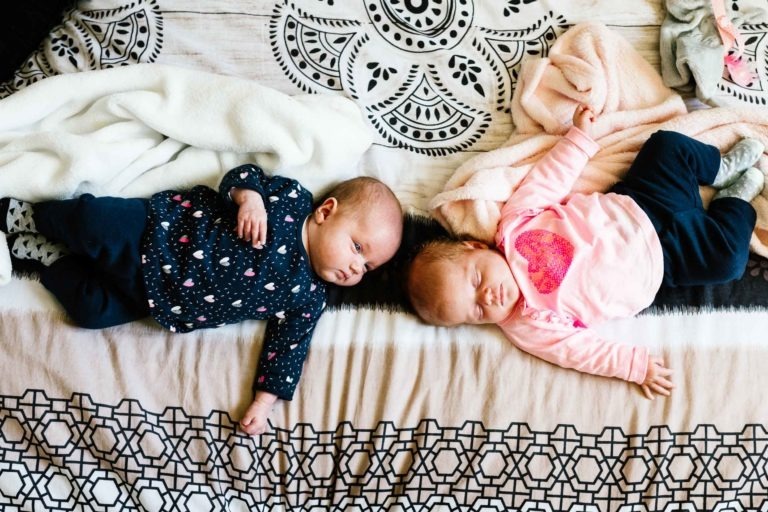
[
  {"x": 691, "y": 50},
  {"x": 690, "y": 47}
]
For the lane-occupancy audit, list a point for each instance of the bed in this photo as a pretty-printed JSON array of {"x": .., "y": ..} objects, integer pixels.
[{"x": 391, "y": 414}]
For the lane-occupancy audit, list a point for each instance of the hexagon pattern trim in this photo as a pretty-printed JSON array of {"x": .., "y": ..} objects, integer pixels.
[{"x": 76, "y": 454}]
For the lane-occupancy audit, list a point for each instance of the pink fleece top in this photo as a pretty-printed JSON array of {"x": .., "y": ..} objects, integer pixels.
[{"x": 579, "y": 260}]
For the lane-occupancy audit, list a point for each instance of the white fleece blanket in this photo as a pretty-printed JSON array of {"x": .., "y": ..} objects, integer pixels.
[{"x": 135, "y": 130}]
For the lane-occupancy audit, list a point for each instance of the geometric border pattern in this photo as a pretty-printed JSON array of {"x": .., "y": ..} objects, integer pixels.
[{"x": 75, "y": 454}]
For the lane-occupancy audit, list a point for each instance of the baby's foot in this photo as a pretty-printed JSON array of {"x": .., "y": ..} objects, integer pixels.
[
  {"x": 743, "y": 155},
  {"x": 35, "y": 247},
  {"x": 746, "y": 187},
  {"x": 16, "y": 216}
]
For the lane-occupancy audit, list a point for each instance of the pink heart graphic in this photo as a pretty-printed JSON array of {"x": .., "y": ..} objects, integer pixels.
[
  {"x": 189, "y": 283},
  {"x": 261, "y": 309},
  {"x": 184, "y": 239},
  {"x": 271, "y": 356},
  {"x": 249, "y": 273},
  {"x": 288, "y": 218},
  {"x": 549, "y": 256},
  {"x": 177, "y": 197},
  {"x": 261, "y": 379},
  {"x": 186, "y": 203}
]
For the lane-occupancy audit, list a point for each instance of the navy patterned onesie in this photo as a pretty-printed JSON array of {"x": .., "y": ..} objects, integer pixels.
[{"x": 196, "y": 272}]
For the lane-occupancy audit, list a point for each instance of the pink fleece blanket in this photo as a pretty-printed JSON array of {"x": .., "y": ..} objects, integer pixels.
[{"x": 594, "y": 65}]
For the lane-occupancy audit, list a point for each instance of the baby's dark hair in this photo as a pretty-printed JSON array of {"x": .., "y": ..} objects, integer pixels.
[
  {"x": 419, "y": 290},
  {"x": 441, "y": 249}
]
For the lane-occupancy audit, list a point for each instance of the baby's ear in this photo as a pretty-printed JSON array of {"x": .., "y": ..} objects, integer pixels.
[{"x": 326, "y": 209}]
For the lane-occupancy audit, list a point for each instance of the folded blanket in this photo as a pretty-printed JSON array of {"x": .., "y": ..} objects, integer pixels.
[
  {"x": 136, "y": 130},
  {"x": 594, "y": 65}
]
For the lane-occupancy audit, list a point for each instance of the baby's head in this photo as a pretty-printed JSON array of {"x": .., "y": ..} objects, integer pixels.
[
  {"x": 355, "y": 228},
  {"x": 453, "y": 282}
]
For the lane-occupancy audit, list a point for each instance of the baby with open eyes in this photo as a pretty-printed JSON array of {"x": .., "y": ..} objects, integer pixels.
[{"x": 256, "y": 248}]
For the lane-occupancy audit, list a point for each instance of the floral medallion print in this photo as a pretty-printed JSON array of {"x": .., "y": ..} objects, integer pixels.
[
  {"x": 756, "y": 51},
  {"x": 94, "y": 39},
  {"x": 430, "y": 75}
]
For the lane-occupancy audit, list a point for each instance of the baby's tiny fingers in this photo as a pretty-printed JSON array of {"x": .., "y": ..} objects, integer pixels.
[
  {"x": 647, "y": 392},
  {"x": 257, "y": 237},
  {"x": 247, "y": 229},
  {"x": 263, "y": 232}
]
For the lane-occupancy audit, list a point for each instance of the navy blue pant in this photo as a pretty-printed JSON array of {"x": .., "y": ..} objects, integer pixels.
[
  {"x": 700, "y": 246},
  {"x": 101, "y": 283}
]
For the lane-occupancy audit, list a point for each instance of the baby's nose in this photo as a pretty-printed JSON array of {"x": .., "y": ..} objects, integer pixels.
[
  {"x": 489, "y": 296},
  {"x": 357, "y": 267}
]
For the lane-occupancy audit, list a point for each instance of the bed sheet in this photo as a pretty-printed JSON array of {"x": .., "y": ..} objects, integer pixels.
[{"x": 391, "y": 414}]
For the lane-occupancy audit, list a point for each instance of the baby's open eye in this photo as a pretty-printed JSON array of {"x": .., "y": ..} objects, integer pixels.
[{"x": 358, "y": 247}]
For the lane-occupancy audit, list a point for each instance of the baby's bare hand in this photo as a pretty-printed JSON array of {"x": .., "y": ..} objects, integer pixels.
[
  {"x": 251, "y": 217},
  {"x": 583, "y": 118},
  {"x": 656, "y": 379},
  {"x": 254, "y": 421}
]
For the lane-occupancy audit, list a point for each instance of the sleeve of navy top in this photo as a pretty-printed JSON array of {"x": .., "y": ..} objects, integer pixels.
[
  {"x": 285, "y": 347},
  {"x": 245, "y": 176}
]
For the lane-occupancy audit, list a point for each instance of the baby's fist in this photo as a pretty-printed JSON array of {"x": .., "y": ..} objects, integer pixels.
[
  {"x": 254, "y": 421},
  {"x": 583, "y": 118}
]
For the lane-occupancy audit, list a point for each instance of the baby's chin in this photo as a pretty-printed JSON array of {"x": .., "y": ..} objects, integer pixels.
[
  {"x": 332, "y": 277},
  {"x": 346, "y": 282}
]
